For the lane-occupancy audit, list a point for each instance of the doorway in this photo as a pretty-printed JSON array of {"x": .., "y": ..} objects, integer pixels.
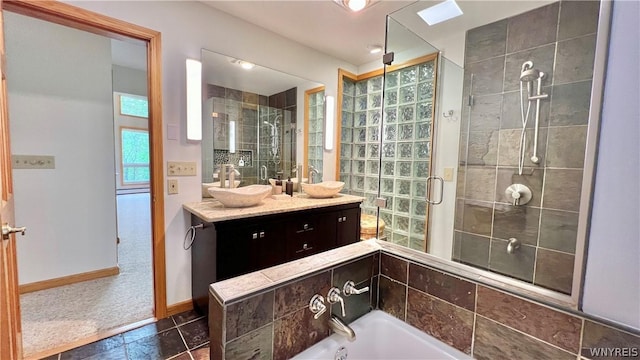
[{"x": 95, "y": 23}]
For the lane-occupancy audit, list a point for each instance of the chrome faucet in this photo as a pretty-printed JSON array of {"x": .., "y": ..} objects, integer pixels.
[
  {"x": 333, "y": 296},
  {"x": 339, "y": 327},
  {"x": 228, "y": 171},
  {"x": 312, "y": 171}
]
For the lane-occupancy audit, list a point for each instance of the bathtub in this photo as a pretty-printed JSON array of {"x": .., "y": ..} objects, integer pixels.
[{"x": 380, "y": 336}]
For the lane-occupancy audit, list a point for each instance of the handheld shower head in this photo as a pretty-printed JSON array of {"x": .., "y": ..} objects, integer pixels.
[{"x": 529, "y": 75}]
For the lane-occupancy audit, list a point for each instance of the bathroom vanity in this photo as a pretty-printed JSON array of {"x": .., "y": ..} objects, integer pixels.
[{"x": 236, "y": 241}]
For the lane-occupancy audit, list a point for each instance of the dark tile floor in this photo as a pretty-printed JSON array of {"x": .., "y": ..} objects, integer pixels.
[{"x": 184, "y": 336}]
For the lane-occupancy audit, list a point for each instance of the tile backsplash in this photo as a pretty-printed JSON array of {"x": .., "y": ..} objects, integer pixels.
[{"x": 486, "y": 323}]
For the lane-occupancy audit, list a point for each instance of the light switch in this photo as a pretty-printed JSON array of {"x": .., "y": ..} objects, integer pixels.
[
  {"x": 33, "y": 162},
  {"x": 181, "y": 168},
  {"x": 172, "y": 132},
  {"x": 448, "y": 174}
]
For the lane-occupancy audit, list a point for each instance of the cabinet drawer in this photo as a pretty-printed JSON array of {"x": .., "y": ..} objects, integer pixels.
[{"x": 307, "y": 235}]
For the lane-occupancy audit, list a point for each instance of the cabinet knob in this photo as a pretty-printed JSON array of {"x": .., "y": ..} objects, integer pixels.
[
  {"x": 305, "y": 246},
  {"x": 255, "y": 235},
  {"x": 305, "y": 226},
  {"x": 261, "y": 234}
]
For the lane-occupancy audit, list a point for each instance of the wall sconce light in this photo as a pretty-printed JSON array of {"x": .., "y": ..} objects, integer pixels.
[
  {"x": 194, "y": 99},
  {"x": 329, "y": 122}
]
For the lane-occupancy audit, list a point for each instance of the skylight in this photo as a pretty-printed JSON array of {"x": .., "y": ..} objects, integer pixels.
[{"x": 440, "y": 12}]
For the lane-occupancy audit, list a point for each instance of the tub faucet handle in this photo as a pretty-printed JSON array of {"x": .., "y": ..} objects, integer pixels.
[
  {"x": 334, "y": 296},
  {"x": 349, "y": 288},
  {"x": 317, "y": 306}
]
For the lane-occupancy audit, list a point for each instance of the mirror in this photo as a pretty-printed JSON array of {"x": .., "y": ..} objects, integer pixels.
[
  {"x": 482, "y": 199},
  {"x": 262, "y": 121}
]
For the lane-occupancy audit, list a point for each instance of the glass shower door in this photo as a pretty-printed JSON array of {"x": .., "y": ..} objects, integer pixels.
[{"x": 406, "y": 141}]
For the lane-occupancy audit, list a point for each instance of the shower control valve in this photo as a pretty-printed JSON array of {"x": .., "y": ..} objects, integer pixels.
[
  {"x": 349, "y": 289},
  {"x": 518, "y": 194},
  {"x": 317, "y": 306},
  {"x": 334, "y": 296}
]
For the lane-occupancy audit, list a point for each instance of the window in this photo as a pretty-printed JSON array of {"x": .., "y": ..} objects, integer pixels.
[
  {"x": 135, "y": 156},
  {"x": 134, "y": 106}
]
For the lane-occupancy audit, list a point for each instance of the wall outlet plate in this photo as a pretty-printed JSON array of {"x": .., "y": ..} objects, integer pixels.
[
  {"x": 172, "y": 186},
  {"x": 181, "y": 168}
]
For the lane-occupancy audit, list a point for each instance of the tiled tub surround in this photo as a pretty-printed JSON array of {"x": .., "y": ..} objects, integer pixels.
[
  {"x": 560, "y": 40},
  {"x": 264, "y": 315}
]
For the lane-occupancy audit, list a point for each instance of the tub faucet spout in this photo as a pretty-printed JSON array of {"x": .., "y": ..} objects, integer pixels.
[{"x": 339, "y": 327}]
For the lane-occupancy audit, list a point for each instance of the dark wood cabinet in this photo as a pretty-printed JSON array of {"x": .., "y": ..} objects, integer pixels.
[{"x": 226, "y": 249}]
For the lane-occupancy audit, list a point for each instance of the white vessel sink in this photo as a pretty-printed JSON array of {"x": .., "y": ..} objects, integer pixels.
[
  {"x": 325, "y": 189},
  {"x": 240, "y": 197},
  {"x": 206, "y": 186}
]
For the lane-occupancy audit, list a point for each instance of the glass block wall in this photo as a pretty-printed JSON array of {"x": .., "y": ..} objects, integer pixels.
[
  {"x": 315, "y": 131},
  {"x": 391, "y": 152}
]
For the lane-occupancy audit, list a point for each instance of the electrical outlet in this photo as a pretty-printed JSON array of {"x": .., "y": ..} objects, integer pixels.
[
  {"x": 181, "y": 168},
  {"x": 172, "y": 186},
  {"x": 448, "y": 174}
]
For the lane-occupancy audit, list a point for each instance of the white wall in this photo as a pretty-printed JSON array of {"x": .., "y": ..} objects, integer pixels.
[
  {"x": 129, "y": 81},
  {"x": 60, "y": 105},
  {"x": 612, "y": 282},
  {"x": 447, "y": 138},
  {"x": 187, "y": 27}
]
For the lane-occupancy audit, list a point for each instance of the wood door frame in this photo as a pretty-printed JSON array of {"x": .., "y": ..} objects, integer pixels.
[{"x": 81, "y": 19}]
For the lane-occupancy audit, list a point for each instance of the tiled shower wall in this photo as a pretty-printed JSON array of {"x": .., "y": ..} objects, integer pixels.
[
  {"x": 249, "y": 110},
  {"x": 241, "y": 107},
  {"x": 285, "y": 104},
  {"x": 560, "y": 40},
  {"x": 405, "y": 152}
]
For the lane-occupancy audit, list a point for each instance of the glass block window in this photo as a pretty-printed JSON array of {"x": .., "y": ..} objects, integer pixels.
[
  {"x": 388, "y": 123},
  {"x": 315, "y": 132}
]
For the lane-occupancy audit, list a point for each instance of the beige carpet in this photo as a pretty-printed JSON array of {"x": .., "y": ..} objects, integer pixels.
[{"x": 55, "y": 317}]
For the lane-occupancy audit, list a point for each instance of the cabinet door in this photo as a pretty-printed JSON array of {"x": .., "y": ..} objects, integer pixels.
[
  {"x": 348, "y": 226},
  {"x": 309, "y": 234},
  {"x": 245, "y": 247},
  {"x": 267, "y": 246},
  {"x": 234, "y": 243}
]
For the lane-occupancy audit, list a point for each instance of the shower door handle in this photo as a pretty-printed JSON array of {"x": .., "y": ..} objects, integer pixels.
[
  {"x": 263, "y": 172},
  {"x": 440, "y": 190}
]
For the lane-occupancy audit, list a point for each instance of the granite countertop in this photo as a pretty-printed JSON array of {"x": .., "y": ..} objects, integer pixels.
[{"x": 211, "y": 210}]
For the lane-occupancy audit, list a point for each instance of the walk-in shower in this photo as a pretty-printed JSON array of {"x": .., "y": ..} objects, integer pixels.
[{"x": 528, "y": 76}]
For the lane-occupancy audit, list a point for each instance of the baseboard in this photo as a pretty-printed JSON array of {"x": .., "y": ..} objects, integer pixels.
[
  {"x": 67, "y": 280},
  {"x": 177, "y": 308}
]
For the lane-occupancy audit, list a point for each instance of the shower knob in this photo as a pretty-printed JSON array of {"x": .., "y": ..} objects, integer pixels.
[
  {"x": 518, "y": 194},
  {"x": 513, "y": 245}
]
